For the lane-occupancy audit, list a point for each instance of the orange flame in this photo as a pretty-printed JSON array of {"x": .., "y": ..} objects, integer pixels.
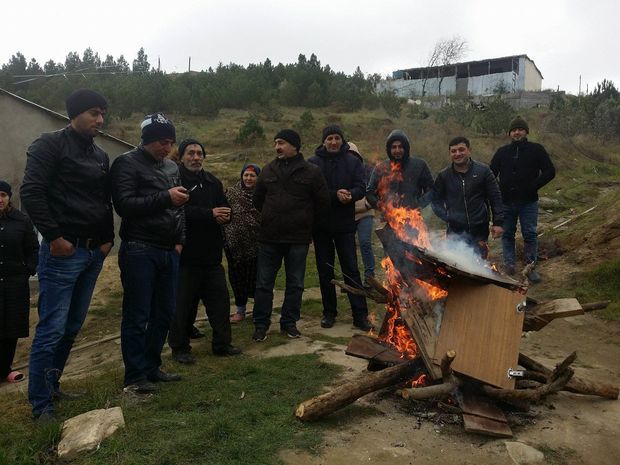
[{"x": 419, "y": 381}]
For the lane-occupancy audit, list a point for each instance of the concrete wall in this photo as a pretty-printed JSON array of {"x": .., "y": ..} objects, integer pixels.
[
  {"x": 533, "y": 79},
  {"x": 22, "y": 122}
]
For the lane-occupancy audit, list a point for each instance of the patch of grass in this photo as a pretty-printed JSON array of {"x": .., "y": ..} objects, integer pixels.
[
  {"x": 556, "y": 456},
  {"x": 225, "y": 411},
  {"x": 338, "y": 340},
  {"x": 603, "y": 283}
]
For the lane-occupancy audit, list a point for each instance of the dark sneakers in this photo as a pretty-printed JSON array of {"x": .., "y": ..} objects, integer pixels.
[
  {"x": 45, "y": 418},
  {"x": 364, "y": 325},
  {"x": 260, "y": 335},
  {"x": 141, "y": 387},
  {"x": 291, "y": 331},
  {"x": 196, "y": 333},
  {"x": 63, "y": 395},
  {"x": 227, "y": 351},
  {"x": 163, "y": 377},
  {"x": 183, "y": 357},
  {"x": 327, "y": 321},
  {"x": 534, "y": 277}
]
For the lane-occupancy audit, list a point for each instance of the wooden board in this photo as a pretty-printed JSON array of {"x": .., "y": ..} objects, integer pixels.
[
  {"x": 482, "y": 324},
  {"x": 369, "y": 348},
  {"x": 545, "y": 312},
  {"x": 481, "y": 407},
  {"x": 423, "y": 329},
  {"x": 482, "y": 425}
]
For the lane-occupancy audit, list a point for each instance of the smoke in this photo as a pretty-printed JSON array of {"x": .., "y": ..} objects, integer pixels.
[{"x": 458, "y": 254}]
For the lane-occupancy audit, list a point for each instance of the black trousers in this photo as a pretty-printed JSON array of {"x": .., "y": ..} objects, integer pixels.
[
  {"x": 207, "y": 283},
  {"x": 326, "y": 245},
  {"x": 7, "y": 353}
]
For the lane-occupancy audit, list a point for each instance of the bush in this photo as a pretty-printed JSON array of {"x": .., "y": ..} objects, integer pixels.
[
  {"x": 391, "y": 103},
  {"x": 251, "y": 132}
]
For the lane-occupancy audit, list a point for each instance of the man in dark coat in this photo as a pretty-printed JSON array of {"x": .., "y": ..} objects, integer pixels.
[
  {"x": 201, "y": 274},
  {"x": 291, "y": 195},
  {"x": 462, "y": 195},
  {"x": 66, "y": 193},
  {"x": 523, "y": 167},
  {"x": 148, "y": 196},
  {"x": 344, "y": 173}
]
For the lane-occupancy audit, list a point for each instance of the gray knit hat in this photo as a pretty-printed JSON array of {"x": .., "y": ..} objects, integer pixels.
[{"x": 517, "y": 123}]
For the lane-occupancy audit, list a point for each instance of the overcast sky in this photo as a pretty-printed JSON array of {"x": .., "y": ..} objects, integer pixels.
[{"x": 565, "y": 39}]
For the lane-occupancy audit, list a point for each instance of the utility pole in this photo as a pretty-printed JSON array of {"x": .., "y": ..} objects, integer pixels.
[
  {"x": 158, "y": 64},
  {"x": 579, "y": 84},
  {"x": 189, "y": 64}
]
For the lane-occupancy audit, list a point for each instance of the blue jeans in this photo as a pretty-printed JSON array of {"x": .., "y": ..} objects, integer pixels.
[
  {"x": 527, "y": 215},
  {"x": 326, "y": 244},
  {"x": 65, "y": 288},
  {"x": 149, "y": 277},
  {"x": 364, "y": 235},
  {"x": 270, "y": 258}
]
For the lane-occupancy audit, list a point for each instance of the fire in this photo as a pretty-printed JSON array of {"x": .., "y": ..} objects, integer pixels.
[
  {"x": 433, "y": 292},
  {"x": 419, "y": 381}
]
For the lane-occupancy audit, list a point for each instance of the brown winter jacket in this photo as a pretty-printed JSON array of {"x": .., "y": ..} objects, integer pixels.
[{"x": 292, "y": 196}]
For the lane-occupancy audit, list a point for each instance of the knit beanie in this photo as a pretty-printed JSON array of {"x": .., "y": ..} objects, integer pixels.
[
  {"x": 518, "y": 122},
  {"x": 252, "y": 167},
  {"x": 290, "y": 136},
  {"x": 5, "y": 187},
  {"x": 84, "y": 99},
  {"x": 332, "y": 129},
  {"x": 185, "y": 142},
  {"x": 157, "y": 127}
]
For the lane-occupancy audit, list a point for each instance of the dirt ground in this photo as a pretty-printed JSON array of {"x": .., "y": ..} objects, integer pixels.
[{"x": 567, "y": 428}]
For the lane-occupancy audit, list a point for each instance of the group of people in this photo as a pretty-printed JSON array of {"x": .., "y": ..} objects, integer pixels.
[{"x": 177, "y": 221}]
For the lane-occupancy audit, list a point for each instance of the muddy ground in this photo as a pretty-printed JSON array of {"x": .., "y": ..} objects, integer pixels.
[{"x": 567, "y": 428}]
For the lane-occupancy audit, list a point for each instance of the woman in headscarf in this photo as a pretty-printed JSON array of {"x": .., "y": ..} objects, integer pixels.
[
  {"x": 240, "y": 239},
  {"x": 19, "y": 253}
]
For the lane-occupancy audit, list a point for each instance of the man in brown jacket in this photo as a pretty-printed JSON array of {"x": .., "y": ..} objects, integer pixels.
[{"x": 291, "y": 195}]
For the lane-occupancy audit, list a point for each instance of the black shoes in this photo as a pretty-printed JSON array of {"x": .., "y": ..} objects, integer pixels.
[
  {"x": 227, "y": 351},
  {"x": 364, "y": 325},
  {"x": 291, "y": 331},
  {"x": 141, "y": 387},
  {"x": 196, "y": 333},
  {"x": 163, "y": 377},
  {"x": 534, "y": 277},
  {"x": 183, "y": 357},
  {"x": 45, "y": 418},
  {"x": 328, "y": 321},
  {"x": 259, "y": 335},
  {"x": 63, "y": 395}
]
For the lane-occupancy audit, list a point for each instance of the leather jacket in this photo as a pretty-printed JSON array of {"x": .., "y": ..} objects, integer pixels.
[
  {"x": 140, "y": 193},
  {"x": 66, "y": 188}
]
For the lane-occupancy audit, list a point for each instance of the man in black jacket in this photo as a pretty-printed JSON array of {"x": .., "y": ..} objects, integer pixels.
[
  {"x": 523, "y": 167},
  {"x": 462, "y": 195},
  {"x": 66, "y": 193},
  {"x": 148, "y": 196},
  {"x": 344, "y": 173},
  {"x": 291, "y": 195},
  {"x": 201, "y": 274}
]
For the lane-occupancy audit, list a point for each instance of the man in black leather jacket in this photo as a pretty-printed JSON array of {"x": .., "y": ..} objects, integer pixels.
[
  {"x": 462, "y": 195},
  {"x": 148, "y": 196},
  {"x": 66, "y": 193}
]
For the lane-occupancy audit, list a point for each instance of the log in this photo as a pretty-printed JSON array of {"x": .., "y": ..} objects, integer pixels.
[
  {"x": 529, "y": 395},
  {"x": 576, "y": 385},
  {"x": 371, "y": 294},
  {"x": 349, "y": 392},
  {"x": 450, "y": 382}
]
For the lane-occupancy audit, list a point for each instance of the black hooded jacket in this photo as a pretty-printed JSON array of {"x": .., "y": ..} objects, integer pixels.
[
  {"x": 342, "y": 170},
  {"x": 411, "y": 182}
]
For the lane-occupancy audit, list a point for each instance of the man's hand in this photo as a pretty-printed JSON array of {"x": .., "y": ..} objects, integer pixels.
[
  {"x": 496, "y": 232},
  {"x": 178, "y": 195},
  {"x": 221, "y": 215},
  {"x": 178, "y": 248},
  {"x": 344, "y": 196},
  {"x": 105, "y": 248},
  {"x": 60, "y": 247}
]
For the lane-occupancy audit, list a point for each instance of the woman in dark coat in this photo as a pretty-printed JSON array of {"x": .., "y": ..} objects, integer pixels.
[
  {"x": 18, "y": 260},
  {"x": 240, "y": 239}
]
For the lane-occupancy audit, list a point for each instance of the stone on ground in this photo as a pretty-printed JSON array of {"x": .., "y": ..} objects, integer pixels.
[{"x": 522, "y": 454}]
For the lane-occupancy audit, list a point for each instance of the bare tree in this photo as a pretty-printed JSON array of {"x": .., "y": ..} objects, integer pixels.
[{"x": 446, "y": 52}]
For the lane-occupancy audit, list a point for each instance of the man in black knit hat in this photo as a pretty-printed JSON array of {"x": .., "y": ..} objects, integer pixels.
[
  {"x": 66, "y": 194},
  {"x": 523, "y": 167},
  {"x": 201, "y": 274},
  {"x": 148, "y": 196},
  {"x": 292, "y": 196}
]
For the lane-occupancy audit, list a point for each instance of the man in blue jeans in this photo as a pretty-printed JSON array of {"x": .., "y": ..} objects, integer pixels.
[
  {"x": 148, "y": 196},
  {"x": 523, "y": 167},
  {"x": 66, "y": 194},
  {"x": 292, "y": 196}
]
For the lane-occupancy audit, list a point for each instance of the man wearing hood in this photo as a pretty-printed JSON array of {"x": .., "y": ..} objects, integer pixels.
[
  {"x": 402, "y": 180},
  {"x": 523, "y": 167},
  {"x": 344, "y": 174}
]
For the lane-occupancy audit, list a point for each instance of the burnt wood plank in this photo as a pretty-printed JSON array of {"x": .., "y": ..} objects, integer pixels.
[
  {"x": 482, "y": 425},
  {"x": 482, "y": 407}
]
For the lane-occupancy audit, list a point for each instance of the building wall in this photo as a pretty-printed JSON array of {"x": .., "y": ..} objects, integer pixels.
[
  {"x": 488, "y": 83},
  {"x": 533, "y": 79}
]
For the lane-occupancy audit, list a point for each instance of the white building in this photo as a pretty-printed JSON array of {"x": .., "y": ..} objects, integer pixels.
[{"x": 484, "y": 77}]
